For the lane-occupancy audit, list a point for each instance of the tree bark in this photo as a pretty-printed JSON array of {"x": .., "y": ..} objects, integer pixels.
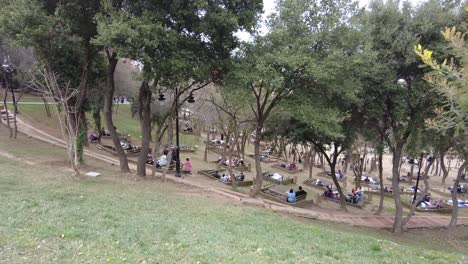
[
  {"x": 145, "y": 123},
  {"x": 453, "y": 221},
  {"x": 7, "y": 115},
  {"x": 443, "y": 168},
  {"x": 205, "y": 156},
  {"x": 424, "y": 192},
  {"x": 15, "y": 109},
  {"x": 108, "y": 99},
  {"x": 397, "y": 224},
  {"x": 258, "y": 168},
  {"x": 382, "y": 197}
]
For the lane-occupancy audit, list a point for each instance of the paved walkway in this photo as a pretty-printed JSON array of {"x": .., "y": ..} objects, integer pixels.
[{"x": 371, "y": 221}]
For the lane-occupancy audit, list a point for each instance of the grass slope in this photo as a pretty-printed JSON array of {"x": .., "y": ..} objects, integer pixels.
[{"x": 47, "y": 216}]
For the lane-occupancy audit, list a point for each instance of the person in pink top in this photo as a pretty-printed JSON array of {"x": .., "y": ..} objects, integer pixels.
[{"x": 187, "y": 167}]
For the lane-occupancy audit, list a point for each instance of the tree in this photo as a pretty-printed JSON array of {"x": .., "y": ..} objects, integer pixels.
[
  {"x": 186, "y": 46},
  {"x": 449, "y": 78},
  {"x": 402, "y": 100},
  {"x": 60, "y": 34}
]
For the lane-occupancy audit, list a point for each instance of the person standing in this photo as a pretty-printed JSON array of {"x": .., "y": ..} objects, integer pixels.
[{"x": 187, "y": 167}]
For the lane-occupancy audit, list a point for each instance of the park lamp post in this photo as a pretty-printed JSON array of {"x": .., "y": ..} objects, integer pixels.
[{"x": 191, "y": 100}]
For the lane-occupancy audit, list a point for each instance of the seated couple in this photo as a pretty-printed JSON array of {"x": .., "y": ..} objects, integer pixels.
[
  {"x": 292, "y": 196},
  {"x": 290, "y": 166}
]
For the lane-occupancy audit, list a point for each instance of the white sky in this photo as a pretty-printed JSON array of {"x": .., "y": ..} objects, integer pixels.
[{"x": 269, "y": 7}]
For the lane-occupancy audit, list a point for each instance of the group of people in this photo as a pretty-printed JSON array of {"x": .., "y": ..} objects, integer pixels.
[
  {"x": 428, "y": 202},
  {"x": 292, "y": 196},
  {"x": 235, "y": 162},
  {"x": 122, "y": 99},
  {"x": 162, "y": 162},
  {"x": 355, "y": 197},
  {"x": 228, "y": 178}
]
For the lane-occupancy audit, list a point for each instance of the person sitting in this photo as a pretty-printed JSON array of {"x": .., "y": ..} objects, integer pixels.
[
  {"x": 292, "y": 166},
  {"x": 282, "y": 165},
  {"x": 187, "y": 167},
  {"x": 386, "y": 189},
  {"x": 328, "y": 192},
  {"x": 216, "y": 175},
  {"x": 340, "y": 174},
  {"x": 93, "y": 138},
  {"x": 241, "y": 177},
  {"x": 291, "y": 196},
  {"x": 300, "y": 192},
  {"x": 149, "y": 160},
  {"x": 162, "y": 161},
  {"x": 319, "y": 182},
  {"x": 105, "y": 132},
  {"x": 366, "y": 180},
  {"x": 226, "y": 178},
  {"x": 241, "y": 162},
  {"x": 440, "y": 204},
  {"x": 262, "y": 157}
]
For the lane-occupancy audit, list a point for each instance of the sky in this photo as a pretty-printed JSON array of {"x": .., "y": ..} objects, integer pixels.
[{"x": 269, "y": 7}]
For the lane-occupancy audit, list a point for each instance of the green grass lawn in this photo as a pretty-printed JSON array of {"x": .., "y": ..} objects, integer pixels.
[{"x": 48, "y": 216}]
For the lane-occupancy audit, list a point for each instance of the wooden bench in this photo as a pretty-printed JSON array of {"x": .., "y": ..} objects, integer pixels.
[
  {"x": 277, "y": 166},
  {"x": 270, "y": 194}
]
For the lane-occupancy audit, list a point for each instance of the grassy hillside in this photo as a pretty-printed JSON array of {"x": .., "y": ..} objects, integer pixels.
[{"x": 47, "y": 216}]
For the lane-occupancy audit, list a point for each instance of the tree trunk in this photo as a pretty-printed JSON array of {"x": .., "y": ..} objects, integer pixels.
[
  {"x": 397, "y": 224},
  {"x": 311, "y": 163},
  {"x": 258, "y": 167},
  {"x": 347, "y": 160},
  {"x": 453, "y": 220},
  {"x": 15, "y": 110},
  {"x": 410, "y": 178},
  {"x": 145, "y": 123},
  {"x": 443, "y": 168},
  {"x": 382, "y": 197},
  {"x": 158, "y": 136},
  {"x": 205, "y": 156},
  {"x": 417, "y": 200},
  {"x": 108, "y": 99},
  {"x": 7, "y": 115}
]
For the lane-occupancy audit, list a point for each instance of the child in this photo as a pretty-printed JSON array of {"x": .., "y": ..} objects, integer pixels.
[{"x": 187, "y": 167}]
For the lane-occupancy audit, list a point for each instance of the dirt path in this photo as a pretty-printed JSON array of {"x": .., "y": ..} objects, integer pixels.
[{"x": 380, "y": 222}]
